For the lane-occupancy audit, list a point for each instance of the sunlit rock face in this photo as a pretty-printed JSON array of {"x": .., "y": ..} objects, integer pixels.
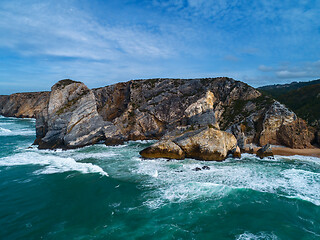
[
  {"x": 71, "y": 115},
  {"x": 71, "y": 118},
  {"x": 23, "y": 105},
  {"x": 204, "y": 144}
]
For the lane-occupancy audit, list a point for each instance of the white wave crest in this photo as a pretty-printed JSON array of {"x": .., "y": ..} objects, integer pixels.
[
  {"x": 20, "y": 132},
  {"x": 52, "y": 164},
  {"x": 259, "y": 236}
]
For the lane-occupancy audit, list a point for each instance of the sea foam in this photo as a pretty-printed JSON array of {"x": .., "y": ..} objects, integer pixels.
[
  {"x": 51, "y": 164},
  {"x": 177, "y": 181}
]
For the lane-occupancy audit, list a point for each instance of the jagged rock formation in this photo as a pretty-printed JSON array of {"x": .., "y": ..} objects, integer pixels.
[
  {"x": 153, "y": 108},
  {"x": 204, "y": 144},
  {"x": 25, "y": 105},
  {"x": 71, "y": 118}
]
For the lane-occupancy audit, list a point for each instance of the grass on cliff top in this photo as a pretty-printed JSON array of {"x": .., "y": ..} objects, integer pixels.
[{"x": 65, "y": 82}]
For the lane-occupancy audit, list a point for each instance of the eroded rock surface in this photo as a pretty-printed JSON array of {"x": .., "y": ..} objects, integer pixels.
[
  {"x": 163, "y": 149},
  {"x": 204, "y": 144},
  {"x": 71, "y": 119},
  {"x": 153, "y": 108},
  {"x": 23, "y": 105}
]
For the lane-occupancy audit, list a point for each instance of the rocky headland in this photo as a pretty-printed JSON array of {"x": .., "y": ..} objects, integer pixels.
[{"x": 199, "y": 118}]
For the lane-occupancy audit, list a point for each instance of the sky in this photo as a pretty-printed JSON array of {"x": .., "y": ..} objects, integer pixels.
[{"x": 101, "y": 42}]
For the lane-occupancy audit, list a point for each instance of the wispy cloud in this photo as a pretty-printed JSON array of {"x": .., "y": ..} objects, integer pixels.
[
  {"x": 65, "y": 31},
  {"x": 293, "y": 71},
  {"x": 103, "y": 42}
]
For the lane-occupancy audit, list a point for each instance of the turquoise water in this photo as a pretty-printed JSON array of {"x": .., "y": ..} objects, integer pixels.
[{"x": 101, "y": 192}]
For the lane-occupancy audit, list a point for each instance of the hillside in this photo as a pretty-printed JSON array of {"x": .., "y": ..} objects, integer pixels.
[{"x": 301, "y": 97}]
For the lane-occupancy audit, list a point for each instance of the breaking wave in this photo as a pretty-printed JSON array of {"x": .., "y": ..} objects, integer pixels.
[{"x": 52, "y": 164}]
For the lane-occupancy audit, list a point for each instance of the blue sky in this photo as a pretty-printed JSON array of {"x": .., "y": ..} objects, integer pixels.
[{"x": 103, "y": 42}]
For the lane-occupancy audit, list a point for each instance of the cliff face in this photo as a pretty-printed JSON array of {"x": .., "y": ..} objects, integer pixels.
[
  {"x": 70, "y": 118},
  {"x": 145, "y": 109},
  {"x": 154, "y": 109},
  {"x": 25, "y": 105},
  {"x": 302, "y": 97}
]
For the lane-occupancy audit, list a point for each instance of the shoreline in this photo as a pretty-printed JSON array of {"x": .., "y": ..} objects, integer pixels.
[{"x": 286, "y": 151}]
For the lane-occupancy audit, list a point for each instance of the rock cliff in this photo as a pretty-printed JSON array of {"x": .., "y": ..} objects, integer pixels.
[
  {"x": 70, "y": 118},
  {"x": 71, "y": 115},
  {"x": 23, "y": 105}
]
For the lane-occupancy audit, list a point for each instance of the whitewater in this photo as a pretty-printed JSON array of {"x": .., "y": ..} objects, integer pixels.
[{"x": 109, "y": 192}]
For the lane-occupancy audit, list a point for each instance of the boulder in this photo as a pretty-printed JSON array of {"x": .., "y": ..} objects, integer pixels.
[
  {"x": 207, "y": 144},
  {"x": 203, "y": 144},
  {"x": 163, "y": 149},
  {"x": 265, "y": 151}
]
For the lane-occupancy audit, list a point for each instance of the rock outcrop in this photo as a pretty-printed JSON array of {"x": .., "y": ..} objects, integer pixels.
[
  {"x": 204, "y": 144},
  {"x": 153, "y": 108},
  {"x": 71, "y": 119},
  {"x": 295, "y": 134},
  {"x": 23, "y": 105}
]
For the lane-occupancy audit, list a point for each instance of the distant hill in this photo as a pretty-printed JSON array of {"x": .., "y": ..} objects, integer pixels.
[{"x": 301, "y": 97}]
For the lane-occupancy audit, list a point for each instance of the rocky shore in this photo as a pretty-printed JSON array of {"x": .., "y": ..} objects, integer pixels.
[{"x": 199, "y": 118}]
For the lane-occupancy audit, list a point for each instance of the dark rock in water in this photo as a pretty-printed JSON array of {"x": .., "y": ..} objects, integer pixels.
[
  {"x": 265, "y": 151},
  {"x": 206, "y": 168},
  {"x": 236, "y": 152},
  {"x": 196, "y": 169},
  {"x": 251, "y": 150}
]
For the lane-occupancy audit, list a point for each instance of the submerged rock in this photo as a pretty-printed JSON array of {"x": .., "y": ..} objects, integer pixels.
[
  {"x": 265, "y": 151},
  {"x": 196, "y": 169}
]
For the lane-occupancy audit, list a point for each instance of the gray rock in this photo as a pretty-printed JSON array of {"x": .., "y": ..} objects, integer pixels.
[{"x": 70, "y": 119}]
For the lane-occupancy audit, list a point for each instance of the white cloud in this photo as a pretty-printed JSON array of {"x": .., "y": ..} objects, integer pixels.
[
  {"x": 293, "y": 71},
  {"x": 55, "y": 30},
  {"x": 265, "y": 68}
]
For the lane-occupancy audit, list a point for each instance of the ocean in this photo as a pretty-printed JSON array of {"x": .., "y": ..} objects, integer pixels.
[{"x": 101, "y": 192}]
